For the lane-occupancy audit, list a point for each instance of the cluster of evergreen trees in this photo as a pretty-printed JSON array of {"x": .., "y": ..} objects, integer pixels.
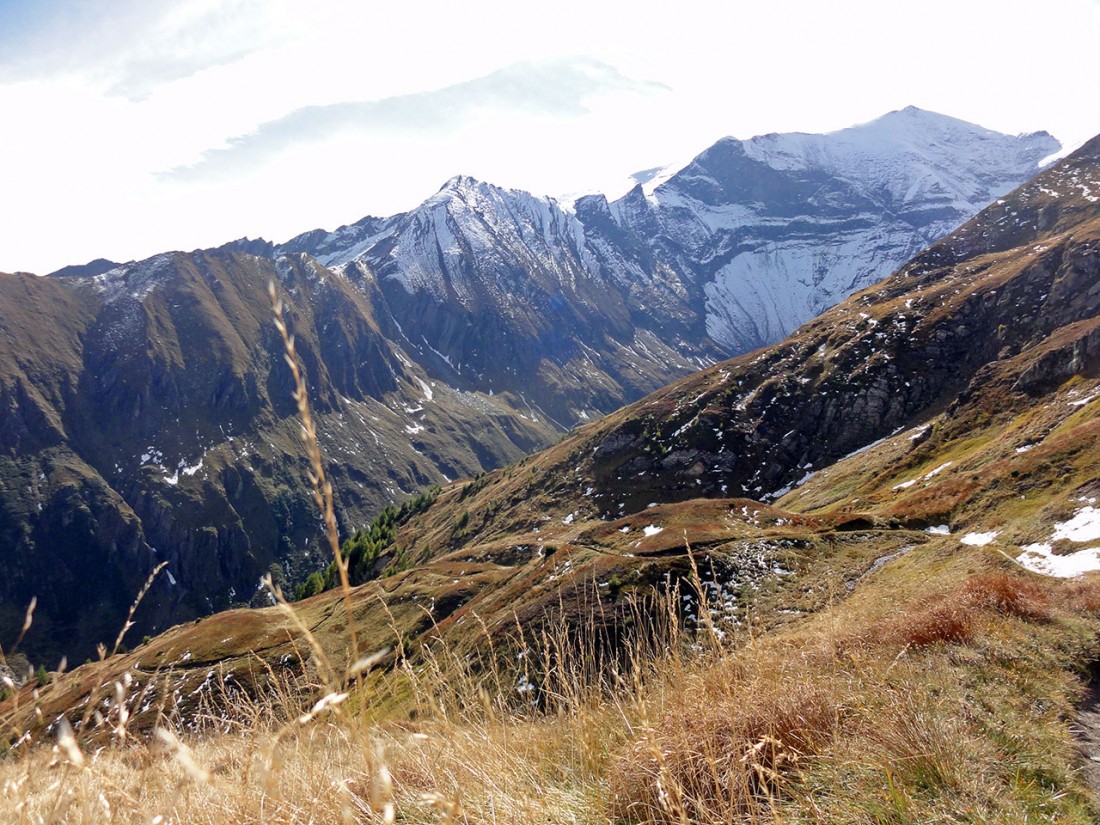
[{"x": 366, "y": 546}]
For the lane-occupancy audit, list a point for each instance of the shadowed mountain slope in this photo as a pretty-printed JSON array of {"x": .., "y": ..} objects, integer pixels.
[{"x": 146, "y": 415}]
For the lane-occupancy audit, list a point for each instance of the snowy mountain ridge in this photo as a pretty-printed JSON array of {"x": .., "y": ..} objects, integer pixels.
[
  {"x": 796, "y": 222},
  {"x": 900, "y": 159},
  {"x": 731, "y": 252}
]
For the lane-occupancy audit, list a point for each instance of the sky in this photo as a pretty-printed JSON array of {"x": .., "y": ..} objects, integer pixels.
[{"x": 131, "y": 127}]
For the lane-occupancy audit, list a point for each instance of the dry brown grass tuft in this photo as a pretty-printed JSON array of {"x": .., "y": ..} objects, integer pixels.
[
  {"x": 939, "y": 620},
  {"x": 954, "y": 617},
  {"x": 1011, "y": 595},
  {"x": 724, "y": 747},
  {"x": 1080, "y": 595}
]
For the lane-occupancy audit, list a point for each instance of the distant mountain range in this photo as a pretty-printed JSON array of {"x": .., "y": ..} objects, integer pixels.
[
  {"x": 730, "y": 253},
  {"x": 948, "y": 415},
  {"x": 145, "y": 409}
]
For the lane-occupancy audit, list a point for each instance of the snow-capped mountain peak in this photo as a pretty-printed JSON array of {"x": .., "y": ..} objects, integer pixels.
[
  {"x": 713, "y": 257},
  {"x": 912, "y": 155}
]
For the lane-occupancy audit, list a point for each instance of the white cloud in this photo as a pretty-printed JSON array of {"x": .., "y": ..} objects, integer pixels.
[
  {"x": 132, "y": 47},
  {"x": 301, "y": 116},
  {"x": 531, "y": 89}
]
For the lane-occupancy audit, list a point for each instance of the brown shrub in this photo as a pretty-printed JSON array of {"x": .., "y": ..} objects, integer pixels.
[
  {"x": 1007, "y": 594},
  {"x": 1080, "y": 595},
  {"x": 952, "y": 619},
  {"x": 712, "y": 758},
  {"x": 947, "y": 620}
]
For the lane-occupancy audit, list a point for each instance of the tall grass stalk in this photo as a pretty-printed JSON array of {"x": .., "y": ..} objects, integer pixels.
[{"x": 321, "y": 487}]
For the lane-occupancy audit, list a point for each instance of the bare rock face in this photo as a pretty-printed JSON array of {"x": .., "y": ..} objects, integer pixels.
[
  {"x": 600, "y": 302},
  {"x": 1078, "y": 356}
]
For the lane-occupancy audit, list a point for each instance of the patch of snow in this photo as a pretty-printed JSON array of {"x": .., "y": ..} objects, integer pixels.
[
  {"x": 782, "y": 491},
  {"x": 938, "y": 470},
  {"x": 1084, "y": 526},
  {"x": 939, "y": 530},
  {"x": 652, "y": 530},
  {"x": 523, "y": 685},
  {"x": 864, "y": 448},
  {"x": 1040, "y": 558},
  {"x": 428, "y": 394},
  {"x": 979, "y": 539}
]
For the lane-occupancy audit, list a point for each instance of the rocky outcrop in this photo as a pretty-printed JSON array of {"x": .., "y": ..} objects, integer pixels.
[{"x": 1078, "y": 356}]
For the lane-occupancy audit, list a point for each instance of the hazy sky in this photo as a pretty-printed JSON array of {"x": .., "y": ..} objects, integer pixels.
[{"x": 135, "y": 126}]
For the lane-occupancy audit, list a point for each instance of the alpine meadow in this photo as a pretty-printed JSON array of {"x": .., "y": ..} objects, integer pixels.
[{"x": 761, "y": 489}]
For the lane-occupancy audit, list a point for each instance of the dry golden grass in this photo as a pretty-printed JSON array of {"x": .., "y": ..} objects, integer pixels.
[
  {"x": 954, "y": 617},
  {"x": 827, "y": 721},
  {"x": 724, "y": 748},
  {"x": 950, "y": 702},
  {"x": 847, "y": 723}
]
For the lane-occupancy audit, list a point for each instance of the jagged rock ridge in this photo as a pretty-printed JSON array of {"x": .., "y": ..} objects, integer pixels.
[{"x": 730, "y": 253}]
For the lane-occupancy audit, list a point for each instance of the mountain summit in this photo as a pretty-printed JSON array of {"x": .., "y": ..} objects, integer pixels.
[{"x": 750, "y": 239}]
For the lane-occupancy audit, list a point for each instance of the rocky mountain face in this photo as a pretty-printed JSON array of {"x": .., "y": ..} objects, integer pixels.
[
  {"x": 146, "y": 416},
  {"x": 728, "y": 254},
  {"x": 498, "y": 290},
  {"x": 976, "y": 361},
  {"x": 145, "y": 409},
  {"x": 948, "y": 415}
]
